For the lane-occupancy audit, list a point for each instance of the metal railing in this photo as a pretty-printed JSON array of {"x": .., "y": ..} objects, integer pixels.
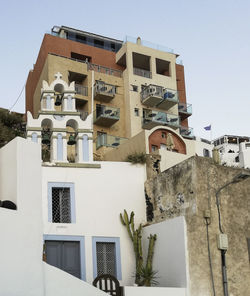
[
  {"x": 104, "y": 70},
  {"x": 159, "y": 91},
  {"x": 105, "y": 88},
  {"x": 142, "y": 72},
  {"x": 160, "y": 117},
  {"x": 151, "y": 90},
  {"x": 81, "y": 90},
  {"x": 95, "y": 67},
  {"x": 149, "y": 44},
  {"x": 187, "y": 132},
  {"x": 106, "y": 112},
  {"x": 109, "y": 141},
  {"x": 185, "y": 108}
]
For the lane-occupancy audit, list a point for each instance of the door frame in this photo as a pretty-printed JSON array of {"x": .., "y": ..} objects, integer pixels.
[{"x": 73, "y": 238}]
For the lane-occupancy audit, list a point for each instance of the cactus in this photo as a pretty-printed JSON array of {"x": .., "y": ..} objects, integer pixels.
[{"x": 136, "y": 238}]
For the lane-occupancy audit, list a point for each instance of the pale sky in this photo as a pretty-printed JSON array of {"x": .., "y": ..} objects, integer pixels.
[{"x": 212, "y": 38}]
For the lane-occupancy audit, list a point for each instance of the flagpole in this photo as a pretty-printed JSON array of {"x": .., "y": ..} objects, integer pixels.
[{"x": 211, "y": 136}]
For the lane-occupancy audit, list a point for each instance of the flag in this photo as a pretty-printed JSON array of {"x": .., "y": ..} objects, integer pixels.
[{"x": 208, "y": 128}]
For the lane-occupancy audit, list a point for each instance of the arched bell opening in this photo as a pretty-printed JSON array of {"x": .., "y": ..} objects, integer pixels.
[
  {"x": 71, "y": 128},
  {"x": 46, "y": 139},
  {"x": 59, "y": 91}
]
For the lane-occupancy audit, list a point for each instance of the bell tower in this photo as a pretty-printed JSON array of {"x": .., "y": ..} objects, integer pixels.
[{"x": 60, "y": 130}]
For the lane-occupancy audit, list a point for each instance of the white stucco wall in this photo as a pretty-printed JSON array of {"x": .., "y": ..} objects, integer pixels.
[
  {"x": 61, "y": 283},
  {"x": 100, "y": 196},
  {"x": 154, "y": 291},
  {"x": 22, "y": 271},
  {"x": 200, "y": 146},
  {"x": 170, "y": 256},
  {"x": 244, "y": 155},
  {"x": 21, "y": 231}
]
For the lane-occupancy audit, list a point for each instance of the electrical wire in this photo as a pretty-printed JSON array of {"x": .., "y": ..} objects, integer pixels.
[
  {"x": 209, "y": 257},
  {"x": 17, "y": 98}
]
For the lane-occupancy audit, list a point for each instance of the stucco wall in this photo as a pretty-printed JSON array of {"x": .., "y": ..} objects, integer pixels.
[
  {"x": 21, "y": 231},
  {"x": 153, "y": 291},
  {"x": 100, "y": 196},
  {"x": 188, "y": 189},
  {"x": 170, "y": 256}
]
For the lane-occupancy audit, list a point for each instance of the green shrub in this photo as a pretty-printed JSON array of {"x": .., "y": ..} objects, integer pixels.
[{"x": 136, "y": 158}]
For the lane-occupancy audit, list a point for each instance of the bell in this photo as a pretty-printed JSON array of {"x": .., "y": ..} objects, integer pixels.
[
  {"x": 58, "y": 101},
  {"x": 46, "y": 139},
  {"x": 72, "y": 140}
]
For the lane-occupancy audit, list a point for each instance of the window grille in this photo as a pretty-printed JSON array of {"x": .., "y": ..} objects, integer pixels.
[
  {"x": 106, "y": 258},
  {"x": 61, "y": 212}
]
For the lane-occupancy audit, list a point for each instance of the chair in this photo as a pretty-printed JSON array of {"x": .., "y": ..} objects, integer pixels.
[{"x": 109, "y": 284}]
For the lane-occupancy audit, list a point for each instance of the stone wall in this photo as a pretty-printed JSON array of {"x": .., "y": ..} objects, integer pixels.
[{"x": 188, "y": 189}]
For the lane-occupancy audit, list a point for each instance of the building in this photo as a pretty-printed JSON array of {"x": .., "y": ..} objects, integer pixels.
[
  {"x": 233, "y": 150},
  {"x": 130, "y": 87}
]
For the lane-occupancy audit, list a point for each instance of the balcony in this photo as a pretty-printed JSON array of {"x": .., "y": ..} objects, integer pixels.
[
  {"x": 185, "y": 110},
  {"x": 81, "y": 90},
  {"x": 154, "y": 118},
  {"x": 143, "y": 73},
  {"x": 106, "y": 116},
  {"x": 157, "y": 96},
  {"x": 104, "y": 91},
  {"x": 187, "y": 132},
  {"x": 104, "y": 70},
  {"x": 109, "y": 141}
]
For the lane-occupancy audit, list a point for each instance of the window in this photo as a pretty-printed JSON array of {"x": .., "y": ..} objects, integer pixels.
[
  {"x": 154, "y": 148},
  {"x": 106, "y": 256},
  {"x": 164, "y": 146},
  {"x": 67, "y": 253},
  {"x": 61, "y": 203},
  {"x": 137, "y": 112},
  {"x": 134, "y": 87},
  {"x": 206, "y": 153},
  {"x": 163, "y": 135}
]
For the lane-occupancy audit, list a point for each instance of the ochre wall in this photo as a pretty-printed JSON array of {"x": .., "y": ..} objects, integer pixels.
[{"x": 64, "y": 47}]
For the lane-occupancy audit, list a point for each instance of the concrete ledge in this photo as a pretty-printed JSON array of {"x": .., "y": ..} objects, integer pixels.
[{"x": 73, "y": 165}]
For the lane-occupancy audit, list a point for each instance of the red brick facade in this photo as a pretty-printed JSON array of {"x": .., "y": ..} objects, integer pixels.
[{"x": 159, "y": 137}]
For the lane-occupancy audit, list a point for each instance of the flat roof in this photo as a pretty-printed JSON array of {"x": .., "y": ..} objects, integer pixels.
[{"x": 68, "y": 29}]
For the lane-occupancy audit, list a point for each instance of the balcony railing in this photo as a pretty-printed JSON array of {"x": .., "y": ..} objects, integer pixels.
[
  {"x": 187, "y": 132},
  {"x": 81, "y": 90},
  {"x": 143, "y": 73},
  {"x": 149, "y": 44},
  {"x": 109, "y": 141},
  {"x": 158, "y": 96},
  {"x": 185, "y": 110},
  {"x": 104, "y": 91},
  {"x": 154, "y": 118},
  {"x": 104, "y": 70},
  {"x": 106, "y": 116},
  {"x": 96, "y": 68}
]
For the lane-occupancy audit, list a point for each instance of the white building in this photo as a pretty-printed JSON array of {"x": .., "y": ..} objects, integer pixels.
[
  {"x": 232, "y": 149},
  {"x": 81, "y": 199}
]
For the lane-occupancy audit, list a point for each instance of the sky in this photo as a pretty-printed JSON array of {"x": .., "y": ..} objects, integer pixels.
[{"x": 212, "y": 38}]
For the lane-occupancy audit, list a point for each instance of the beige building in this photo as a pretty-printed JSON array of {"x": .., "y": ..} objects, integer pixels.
[{"x": 130, "y": 87}]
